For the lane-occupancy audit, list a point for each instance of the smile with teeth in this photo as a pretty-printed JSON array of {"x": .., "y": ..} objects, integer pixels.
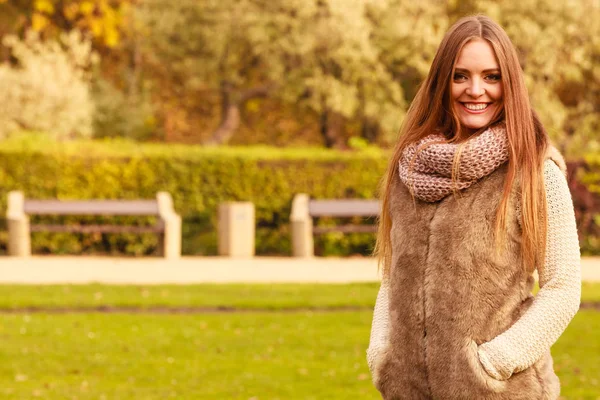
[{"x": 476, "y": 106}]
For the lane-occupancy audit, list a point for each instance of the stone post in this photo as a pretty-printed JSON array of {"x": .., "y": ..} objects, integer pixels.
[
  {"x": 172, "y": 221},
  {"x": 302, "y": 227},
  {"x": 236, "y": 229},
  {"x": 19, "y": 240}
]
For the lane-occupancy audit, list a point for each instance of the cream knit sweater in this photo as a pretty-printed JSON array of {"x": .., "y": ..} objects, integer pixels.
[{"x": 555, "y": 304}]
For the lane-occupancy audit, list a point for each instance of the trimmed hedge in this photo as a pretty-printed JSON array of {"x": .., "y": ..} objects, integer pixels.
[
  {"x": 585, "y": 188},
  {"x": 198, "y": 178}
]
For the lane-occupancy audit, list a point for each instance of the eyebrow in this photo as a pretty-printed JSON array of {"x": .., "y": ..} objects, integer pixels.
[{"x": 484, "y": 71}]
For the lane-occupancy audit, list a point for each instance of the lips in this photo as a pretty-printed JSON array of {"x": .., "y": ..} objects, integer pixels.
[{"x": 475, "y": 108}]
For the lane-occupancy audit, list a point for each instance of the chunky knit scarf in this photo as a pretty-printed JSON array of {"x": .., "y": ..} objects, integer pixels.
[{"x": 430, "y": 176}]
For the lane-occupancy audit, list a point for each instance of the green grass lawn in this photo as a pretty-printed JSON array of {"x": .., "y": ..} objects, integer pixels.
[
  {"x": 272, "y": 297},
  {"x": 246, "y": 355},
  {"x": 255, "y": 296},
  {"x": 234, "y": 356}
]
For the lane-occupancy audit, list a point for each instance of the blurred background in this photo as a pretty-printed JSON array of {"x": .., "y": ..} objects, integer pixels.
[
  {"x": 241, "y": 100},
  {"x": 257, "y": 100}
]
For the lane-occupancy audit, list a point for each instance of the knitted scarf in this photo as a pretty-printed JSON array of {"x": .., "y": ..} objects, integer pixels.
[{"x": 430, "y": 165}]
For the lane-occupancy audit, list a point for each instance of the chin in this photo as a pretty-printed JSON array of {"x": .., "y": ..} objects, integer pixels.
[
  {"x": 475, "y": 122},
  {"x": 475, "y": 126}
]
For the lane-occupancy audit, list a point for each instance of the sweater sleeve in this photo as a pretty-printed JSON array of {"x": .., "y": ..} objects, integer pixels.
[
  {"x": 559, "y": 296},
  {"x": 380, "y": 326}
]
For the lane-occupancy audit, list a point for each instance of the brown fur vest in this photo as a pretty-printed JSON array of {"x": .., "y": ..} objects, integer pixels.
[{"x": 449, "y": 291}]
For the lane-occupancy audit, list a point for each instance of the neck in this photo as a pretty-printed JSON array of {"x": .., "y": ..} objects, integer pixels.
[{"x": 463, "y": 134}]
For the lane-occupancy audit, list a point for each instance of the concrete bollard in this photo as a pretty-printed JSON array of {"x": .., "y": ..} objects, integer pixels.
[
  {"x": 236, "y": 229},
  {"x": 19, "y": 240},
  {"x": 172, "y": 221},
  {"x": 301, "y": 227}
]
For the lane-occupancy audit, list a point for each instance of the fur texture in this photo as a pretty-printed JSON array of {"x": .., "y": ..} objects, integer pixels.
[{"x": 450, "y": 292}]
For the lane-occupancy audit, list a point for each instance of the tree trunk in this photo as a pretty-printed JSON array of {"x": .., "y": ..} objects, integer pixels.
[
  {"x": 229, "y": 124},
  {"x": 332, "y": 124},
  {"x": 370, "y": 130},
  {"x": 230, "y": 116},
  {"x": 230, "y": 110}
]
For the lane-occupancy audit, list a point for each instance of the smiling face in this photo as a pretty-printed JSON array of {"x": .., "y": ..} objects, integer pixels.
[{"x": 476, "y": 87}]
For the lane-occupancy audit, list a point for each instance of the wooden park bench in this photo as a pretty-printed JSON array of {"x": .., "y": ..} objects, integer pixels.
[
  {"x": 304, "y": 210},
  {"x": 168, "y": 226}
]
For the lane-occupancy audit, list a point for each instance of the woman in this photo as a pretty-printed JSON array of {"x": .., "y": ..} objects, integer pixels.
[{"x": 474, "y": 202}]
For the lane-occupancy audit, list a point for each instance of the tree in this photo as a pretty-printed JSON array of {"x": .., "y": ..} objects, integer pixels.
[
  {"x": 559, "y": 48},
  {"x": 104, "y": 20},
  {"x": 406, "y": 35},
  {"x": 316, "y": 54},
  {"x": 48, "y": 88}
]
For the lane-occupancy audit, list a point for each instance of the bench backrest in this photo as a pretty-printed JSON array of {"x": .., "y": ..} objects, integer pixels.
[
  {"x": 91, "y": 207},
  {"x": 343, "y": 208}
]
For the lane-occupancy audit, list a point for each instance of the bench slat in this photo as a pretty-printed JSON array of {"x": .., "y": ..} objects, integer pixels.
[
  {"x": 343, "y": 208},
  {"x": 91, "y": 207},
  {"x": 97, "y": 228},
  {"x": 345, "y": 229}
]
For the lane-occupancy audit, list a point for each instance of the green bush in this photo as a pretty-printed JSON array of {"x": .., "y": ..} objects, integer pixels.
[
  {"x": 198, "y": 178},
  {"x": 121, "y": 115},
  {"x": 587, "y": 204}
]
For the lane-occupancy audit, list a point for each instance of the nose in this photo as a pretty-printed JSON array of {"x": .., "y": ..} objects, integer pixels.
[{"x": 475, "y": 89}]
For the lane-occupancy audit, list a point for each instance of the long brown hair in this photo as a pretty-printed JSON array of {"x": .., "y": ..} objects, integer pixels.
[{"x": 431, "y": 110}]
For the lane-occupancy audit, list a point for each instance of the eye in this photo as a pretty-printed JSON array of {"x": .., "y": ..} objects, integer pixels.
[
  {"x": 494, "y": 77},
  {"x": 459, "y": 76}
]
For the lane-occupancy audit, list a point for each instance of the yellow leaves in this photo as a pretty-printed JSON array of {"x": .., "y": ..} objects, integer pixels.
[
  {"x": 39, "y": 22},
  {"x": 87, "y": 8},
  {"x": 253, "y": 105},
  {"x": 39, "y": 19},
  {"x": 70, "y": 11},
  {"x": 124, "y": 7},
  {"x": 102, "y": 18},
  {"x": 112, "y": 22},
  {"x": 44, "y": 6},
  {"x": 96, "y": 27}
]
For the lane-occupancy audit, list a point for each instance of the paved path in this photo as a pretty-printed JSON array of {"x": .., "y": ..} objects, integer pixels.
[{"x": 115, "y": 270}]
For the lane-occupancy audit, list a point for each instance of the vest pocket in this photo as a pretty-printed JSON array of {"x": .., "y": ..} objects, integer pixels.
[
  {"x": 525, "y": 384},
  {"x": 480, "y": 373}
]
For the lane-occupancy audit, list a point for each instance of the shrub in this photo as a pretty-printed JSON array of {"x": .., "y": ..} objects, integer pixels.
[
  {"x": 585, "y": 188},
  {"x": 119, "y": 114},
  {"x": 48, "y": 88},
  {"x": 199, "y": 180}
]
